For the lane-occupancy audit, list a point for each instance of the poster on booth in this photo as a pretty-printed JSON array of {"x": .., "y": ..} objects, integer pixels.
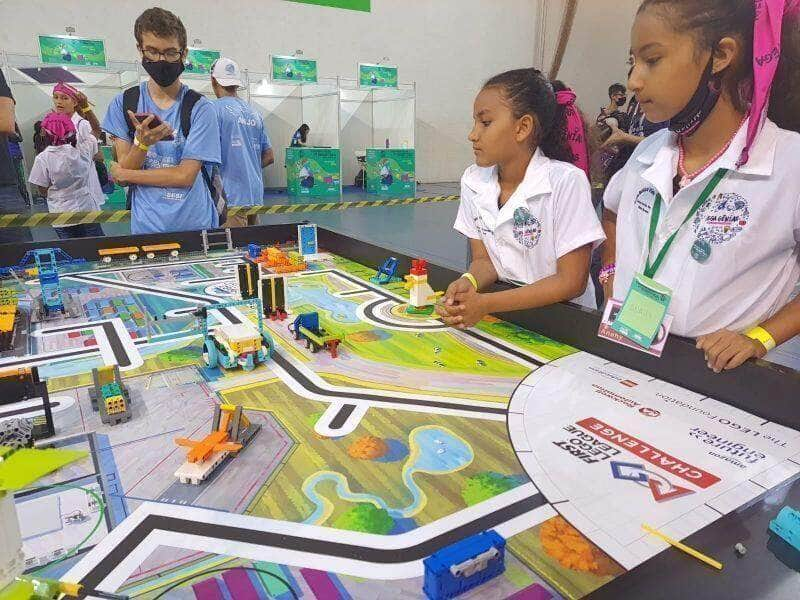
[
  {"x": 362, "y": 5},
  {"x": 313, "y": 172},
  {"x": 200, "y": 60},
  {"x": 391, "y": 171},
  {"x": 293, "y": 69},
  {"x": 377, "y": 76},
  {"x": 614, "y": 449},
  {"x": 70, "y": 50}
]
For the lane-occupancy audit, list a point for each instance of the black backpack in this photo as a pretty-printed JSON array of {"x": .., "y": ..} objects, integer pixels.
[{"x": 130, "y": 102}]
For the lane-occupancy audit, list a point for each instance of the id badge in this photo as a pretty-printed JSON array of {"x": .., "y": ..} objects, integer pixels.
[{"x": 643, "y": 311}]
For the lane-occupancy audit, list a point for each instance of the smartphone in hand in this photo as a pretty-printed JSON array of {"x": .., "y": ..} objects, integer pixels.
[{"x": 153, "y": 124}]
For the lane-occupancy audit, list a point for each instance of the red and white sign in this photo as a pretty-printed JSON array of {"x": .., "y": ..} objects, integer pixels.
[
  {"x": 651, "y": 454},
  {"x": 610, "y": 455}
]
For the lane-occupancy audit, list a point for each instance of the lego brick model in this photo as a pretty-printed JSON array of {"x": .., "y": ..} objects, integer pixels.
[
  {"x": 306, "y": 327},
  {"x": 172, "y": 250},
  {"x": 235, "y": 344},
  {"x": 109, "y": 396},
  {"x": 248, "y": 278},
  {"x": 273, "y": 297},
  {"x": 231, "y": 431},
  {"x": 24, "y": 384},
  {"x": 387, "y": 272},
  {"x": 422, "y": 298},
  {"x": 16, "y": 433},
  {"x": 109, "y": 254},
  {"x": 28, "y": 262},
  {"x": 464, "y": 565},
  {"x": 787, "y": 526},
  {"x": 9, "y": 319}
]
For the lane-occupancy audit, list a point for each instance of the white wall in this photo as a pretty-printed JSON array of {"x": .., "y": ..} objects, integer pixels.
[{"x": 449, "y": 47}]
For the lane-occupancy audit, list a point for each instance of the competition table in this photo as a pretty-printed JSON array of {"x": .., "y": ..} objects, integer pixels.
[{"x": 770, "y": 567}]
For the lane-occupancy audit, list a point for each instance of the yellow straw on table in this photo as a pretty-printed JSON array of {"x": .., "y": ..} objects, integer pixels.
[{"x": 683, "y": 547}]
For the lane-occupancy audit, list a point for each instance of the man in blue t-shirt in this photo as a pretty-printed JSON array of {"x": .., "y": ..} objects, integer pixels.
[
  {"x": 169, "y": 193},
  {"x": 246, "y": 148}
]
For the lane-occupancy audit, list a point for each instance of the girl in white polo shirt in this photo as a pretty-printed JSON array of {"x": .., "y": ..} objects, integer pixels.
[
  {"x": 526, "y": 210},
  {"x": 62, "y": 171},
  {"x": 710, "y": 207}
]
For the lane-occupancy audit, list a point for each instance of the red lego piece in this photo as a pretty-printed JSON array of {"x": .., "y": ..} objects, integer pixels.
[
  {"x": 419, "y": 266},
  {"x": 333, "y": 348}
]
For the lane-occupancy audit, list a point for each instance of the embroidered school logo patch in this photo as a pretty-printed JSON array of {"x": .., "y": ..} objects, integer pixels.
[
  {"x": 527, "y": 229},
  {"x": 721, "y": 218},
  {"x": 480, "y": 225},
  {"x": 645, "y": 199}
]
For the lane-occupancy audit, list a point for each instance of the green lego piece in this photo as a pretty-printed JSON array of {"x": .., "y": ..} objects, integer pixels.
[
  {"x": 111, "y": 389},
  {"x": 19, "y": 589},
  {"x": 24, "y": 466}
]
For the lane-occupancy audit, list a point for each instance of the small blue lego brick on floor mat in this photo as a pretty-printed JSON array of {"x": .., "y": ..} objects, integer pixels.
[{"x": 464, "y": 565}]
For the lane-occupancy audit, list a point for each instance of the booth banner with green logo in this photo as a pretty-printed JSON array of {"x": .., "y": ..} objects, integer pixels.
[
  {"x": 362, "y": 5},
  {"x": 370, "y": 75},
  {"x": 313, "y": 172},
  {"x": 200, "y": 60},
  {"x": 391, "y": 171},
  {"x": 70, "y": 50},
  {"x": 291, "y": 68}
]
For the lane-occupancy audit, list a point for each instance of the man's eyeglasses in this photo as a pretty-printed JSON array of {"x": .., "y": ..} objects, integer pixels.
[{"x": 170, "y": 55}]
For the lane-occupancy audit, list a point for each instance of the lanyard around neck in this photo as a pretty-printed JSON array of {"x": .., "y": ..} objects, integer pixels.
[{"x": 651, "y": 269}]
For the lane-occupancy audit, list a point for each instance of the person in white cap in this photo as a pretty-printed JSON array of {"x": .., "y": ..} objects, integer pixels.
[{"x": 246, "y": 148}]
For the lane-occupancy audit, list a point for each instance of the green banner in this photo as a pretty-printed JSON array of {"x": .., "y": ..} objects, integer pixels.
[
  {"x": 370, "y": 75},
  {"x": 362, "y": 5},
  {"x": 69, "y": 50},
  {"x": 199, "y": 60},
  {"x": 391, "y": 171},
  {"x": 313, "y": 172},
  {"x": 291, "y": 68}
]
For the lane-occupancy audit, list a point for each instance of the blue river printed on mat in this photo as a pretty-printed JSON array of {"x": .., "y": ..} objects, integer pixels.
[
  {"x": 341, "y": 310},
  {"x": 433, "y": 450}
]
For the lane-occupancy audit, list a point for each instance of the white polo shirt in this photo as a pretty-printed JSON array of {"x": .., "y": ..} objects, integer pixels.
[
  {"x": 548, "y": 216},
  {"x": 751, "y": 222},
  {"x": 86, "y": 139},
  {"x": 64, "y": 170}
]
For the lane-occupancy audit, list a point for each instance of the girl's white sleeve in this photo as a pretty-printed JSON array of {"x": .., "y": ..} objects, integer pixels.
[
  {"x": 87, "y": 143},
  {"x": 39, "y": 175},
  {"x": 576, "y": 222},
  {"x": 613, "y": 194},
  {"x": 465, "y": 219}
]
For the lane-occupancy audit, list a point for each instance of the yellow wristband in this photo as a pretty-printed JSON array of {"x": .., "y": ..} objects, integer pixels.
[
  {"x": 140, "y": 145},
  {"x": 472, "y": 280},
  {"x": 762, "y": 335}
]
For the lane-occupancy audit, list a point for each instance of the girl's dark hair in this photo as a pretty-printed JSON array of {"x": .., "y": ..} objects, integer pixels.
[
  {"x": 528, "y": 92},
  {"x": 304, "y": 129},
  {"x": 711, "y": 20},
  {"x": 49, "y": 140}
]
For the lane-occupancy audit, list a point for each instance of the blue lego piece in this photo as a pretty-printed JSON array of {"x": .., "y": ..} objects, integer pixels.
[
  {"x": 308, "y": 320},
  {"x": 386, "y": 273},
  {"x": 787, "y": 526},
  {"x": 253, "y": 250},
  {"x": 52, "y": 299},
  {"x": 464, "y": 565},
  {"x": 60, "y": 258}
]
